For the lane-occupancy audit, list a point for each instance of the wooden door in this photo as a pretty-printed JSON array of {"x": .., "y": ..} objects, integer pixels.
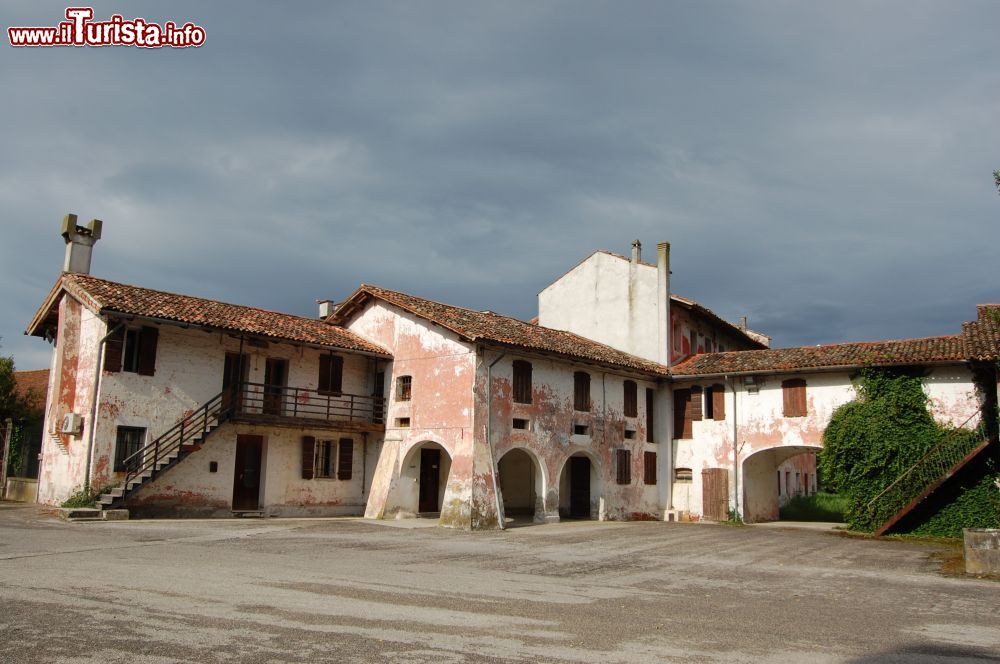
[
  {"x": 430, "y": 480},
  {"x": 579, "y": 487},
  {"x": 234, "y": 377},
  {"x": 715, "y": 493},
  {"x": 246, "y": 479},
  {"x": 275, "y": 379}
]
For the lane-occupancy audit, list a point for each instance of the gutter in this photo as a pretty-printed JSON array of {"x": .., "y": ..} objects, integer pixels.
[
  {"x": 489, "y": 439},
  {"x": 798, "y": 370},
  {"x": 98, "y": 373}
]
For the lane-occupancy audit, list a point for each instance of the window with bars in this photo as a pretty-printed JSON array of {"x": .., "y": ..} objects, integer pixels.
[
  {"x": 327, "y": 459},
  {"x": 631, "y": 398},
  {"x": 128, "y": 441},
  {"x": 404, "y": 388},
  {"x": 683, "y": 475},
  {"x": 794, "y": 397},
  {"x": 581, "y": 391},
  {"x": 522, "y": 381}
]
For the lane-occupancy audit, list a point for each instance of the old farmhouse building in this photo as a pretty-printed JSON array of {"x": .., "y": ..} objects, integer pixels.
[{"x": 621, "y": 401}]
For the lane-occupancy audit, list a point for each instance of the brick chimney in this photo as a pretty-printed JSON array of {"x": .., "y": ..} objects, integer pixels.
[{"x": 79, "y": 243}]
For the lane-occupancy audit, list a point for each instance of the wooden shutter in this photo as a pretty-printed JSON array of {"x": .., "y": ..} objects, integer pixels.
[
  {"x": 345, "y": 459},
  {"x": 624, "y": 466},
  {"x": 631, "y": 399},
  {"x": 718, "y": 402},
  {"x": 148, "y": 337},
  {"x": 794, "y": 397},
  {"x": 522, "y": 381},
  {"x": 649, "y": 415},
  {"x": 695, "y": 404},
  {"x": 113, "y": 350},
  {"x": 581, "y": 391},
  {"x": 682, "y": 423},
  {"x": 308, "y": 457},
  {"x": 649, "y": 468}
]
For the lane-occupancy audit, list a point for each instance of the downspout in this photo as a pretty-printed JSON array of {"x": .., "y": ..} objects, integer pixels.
[
  {"x": 93, "y": 406},
  {"x": 489, "y": 438},
  {"x": 736, "y": 451}
]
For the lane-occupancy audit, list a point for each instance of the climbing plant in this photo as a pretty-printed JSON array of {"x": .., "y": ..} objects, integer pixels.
[{"x": 872, "y": 440}]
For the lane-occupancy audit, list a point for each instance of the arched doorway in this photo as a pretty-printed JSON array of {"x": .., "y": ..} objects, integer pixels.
[
  {"x": 579, "y": 488},
  {"x": 766, "y": 483},
  {"x": 427, "y": 465},
  {"x": 521, "y": 485}
]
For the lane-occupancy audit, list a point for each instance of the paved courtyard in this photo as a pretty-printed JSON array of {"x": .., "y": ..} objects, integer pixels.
[{"x": 346, "y": 590}]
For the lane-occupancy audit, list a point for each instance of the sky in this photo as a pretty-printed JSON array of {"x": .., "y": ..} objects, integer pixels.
[{"x": 823, "y": 168}]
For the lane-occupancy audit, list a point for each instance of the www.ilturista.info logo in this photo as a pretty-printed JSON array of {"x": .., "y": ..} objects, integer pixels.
[{"x": 80, "y": 30}]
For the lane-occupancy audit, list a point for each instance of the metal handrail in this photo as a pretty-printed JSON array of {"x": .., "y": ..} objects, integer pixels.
[{"x": 309, "y": 403}]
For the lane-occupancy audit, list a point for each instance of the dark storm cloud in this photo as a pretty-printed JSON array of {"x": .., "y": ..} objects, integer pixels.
[{"x": 825, "y": 170}]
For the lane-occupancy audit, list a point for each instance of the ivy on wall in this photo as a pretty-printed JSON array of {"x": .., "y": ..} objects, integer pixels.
[{"x": 872, "y": 440}]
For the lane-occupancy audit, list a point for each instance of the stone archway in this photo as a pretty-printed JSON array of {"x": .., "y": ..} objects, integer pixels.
[
  {"x": 580, "y": 487},
  {"x": 762, "y": 487},
  {"x": 424, "y": 474},
  {"x": 522, "y": 485}
]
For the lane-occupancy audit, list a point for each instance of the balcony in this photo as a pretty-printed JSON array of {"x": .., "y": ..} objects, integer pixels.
[{"x": 300, "y": 407}]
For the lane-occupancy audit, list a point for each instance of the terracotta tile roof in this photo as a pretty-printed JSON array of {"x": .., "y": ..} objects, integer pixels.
[
  {"x": 982, "y": 336},
  {"x": 111, "y": 297},
  {"x": 491, "y": 327},
  {"x": 33, "y": 384},
  {"x": 849, "y": 355}
]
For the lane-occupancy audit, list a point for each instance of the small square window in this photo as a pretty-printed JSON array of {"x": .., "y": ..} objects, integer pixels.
[
  {"x": 581, "y": 430},
  {"x": 629, "y": 434},
  {"x": 683, "y": 475},
  {"x": 520, "y": 423},
  {"x": 403, "y": 422}
]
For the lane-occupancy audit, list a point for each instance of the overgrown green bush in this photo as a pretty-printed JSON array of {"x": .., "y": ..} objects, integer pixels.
[
  {"x": 821, "y": 506},
  {"x": 871, "y": 441},
  {"x": 81, "y": 498}
]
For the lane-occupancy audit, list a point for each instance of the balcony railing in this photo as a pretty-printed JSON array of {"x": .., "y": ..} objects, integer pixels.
[{"x": 257, "y": 400}]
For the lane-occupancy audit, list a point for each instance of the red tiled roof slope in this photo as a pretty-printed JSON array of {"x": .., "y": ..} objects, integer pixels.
[
  {"x": 33, "y": 385},
  {"x": 492, "y": 327},
  {"x": 858, "y": 354},
  {"x": 982, "y": 336},
  {"x": 133, "y": 300}
]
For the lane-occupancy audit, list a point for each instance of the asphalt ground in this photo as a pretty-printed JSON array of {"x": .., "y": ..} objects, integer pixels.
[{"x": 347, "y": 590}]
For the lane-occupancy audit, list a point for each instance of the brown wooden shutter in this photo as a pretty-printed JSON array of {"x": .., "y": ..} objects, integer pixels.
[
  {"x": 793, "y": 392},
  {"x": 695, "y": 404},
  {"x": 649, "y": 415},
  {"x": 682, "y": 421},
  {"x": 148, "y": 337},
  {"x": 719, "y": 402},
  {"x": 308, "y": 457},
  {"x": 624, "y": 466},
  {"x": 631, "y": 398},
  {"x": 581, "y": 391},
  {"x": 649, "y": 468},
  {"x": 345, "y": 459},
  {"x": 113, "y": 350},
  {"x": 522, "y": 381},
  {"x": 336, "y": 374}
]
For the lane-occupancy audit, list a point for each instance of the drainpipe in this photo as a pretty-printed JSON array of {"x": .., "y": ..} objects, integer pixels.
[
  {"x": 489, "y": 437},
  {"x": 736, "y": 452},
  {"x": 94, "y": 402}
]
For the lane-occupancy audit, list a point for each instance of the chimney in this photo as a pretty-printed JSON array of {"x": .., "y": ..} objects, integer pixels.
[
  {"x": 663, "y": 302},
  {"x": 743, "y": 323},
  {"x": 325, "y": 308},
  {"x": 636, "y": 251},
  {"x": 79, "y": 243}
]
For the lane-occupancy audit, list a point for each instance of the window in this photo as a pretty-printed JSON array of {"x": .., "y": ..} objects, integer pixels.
[
  {"x": 522, "y": 381},
  {"x": 694, "y": 342},
  {"x": 683, "y": 475},
  {"x": 779, "y": 484},
  {"x": 687, "y": 409},
  {"x": 581, "y": 430},
  {"x": 326, "y": 460},
  {"x": 128, "y": 441},
  {"x": 623, "y": 466},
  {"x": 649, "y": 468},
  {"x": 708, "y": 346},
  {"x": 335, "y": 459},
  {"x": 132, "y": 350},
  {"x": 794, "y": 393},
  {"x": 677, "y": 337},
  {"x": 631, "y": 399},
  {"x": 629, "y": 434},
  {"x": 715, "y": 402},
  {"x": 649, "y": 415},
  {"x": 378, "y": 389},
  {"x": 404, "y": 387},
  {"x": 402, "y": 422},
  {"x": 331, "y": 374},
  {"x": 520, "y": 423},
  {"x": 581, "y": 391}
]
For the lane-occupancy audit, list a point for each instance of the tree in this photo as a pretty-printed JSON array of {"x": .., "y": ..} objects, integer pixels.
[
  {"x": 12, "y": 404},
  {"x": 996, "y": 179}
]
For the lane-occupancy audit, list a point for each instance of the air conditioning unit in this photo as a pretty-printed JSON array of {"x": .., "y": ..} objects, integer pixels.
[{"x": 72, "y": 424}]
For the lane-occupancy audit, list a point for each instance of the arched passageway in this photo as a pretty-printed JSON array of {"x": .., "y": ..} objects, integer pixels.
[
  {"x": 522, "y": 486},
  {"x": 766, "y": 485},
  {"x": 427, "y": 466}
]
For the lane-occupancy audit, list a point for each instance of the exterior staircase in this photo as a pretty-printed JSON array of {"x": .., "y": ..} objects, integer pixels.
[
  {"x": 169, "y": 449},
  {"x": 955, "y": 451}
]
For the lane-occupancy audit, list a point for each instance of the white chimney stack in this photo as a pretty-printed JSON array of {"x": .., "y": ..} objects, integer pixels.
[
  {"x": 325, "y": 308},
  {"x": 663, "y": 302},
  {"x": 636, "y": 251},
  {"x": 79, "y": 243}
]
